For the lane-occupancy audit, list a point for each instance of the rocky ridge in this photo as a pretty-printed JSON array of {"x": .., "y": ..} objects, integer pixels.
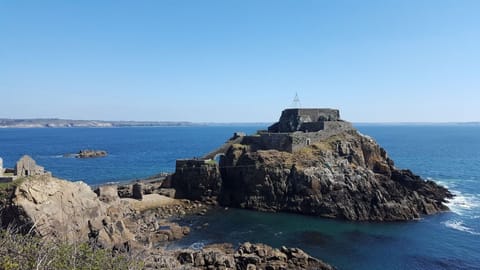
[{"x": 347, "y": 176}]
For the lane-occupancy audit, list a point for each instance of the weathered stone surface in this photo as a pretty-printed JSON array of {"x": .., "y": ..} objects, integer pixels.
[
  {"x": 196, "y": 179},
  {"x": 137, "y": 191},
  {"x": 107, "y": 193},
  {"x": 347, "y": 176},
  {"x": 55, "y": 208},
  {"x": 293, "y": 120},
  {"x": 223, "y": 256},
  {"x": 26, "y": 166},
  {"x": 87, "y": 153},
  {"x": 71, "y": 211}
]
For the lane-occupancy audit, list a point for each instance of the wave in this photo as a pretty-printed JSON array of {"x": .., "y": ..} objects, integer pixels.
[
  {"x": 112, "y": 183},
  {"x": 52, "y": 156},
  {"x": 459, "y": 226},
  {"x": 462, "y": 203},
  {"x": 197, "y": 245}
]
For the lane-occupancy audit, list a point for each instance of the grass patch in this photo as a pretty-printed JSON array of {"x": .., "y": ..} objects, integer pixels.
[{"x": 19, "y": 251}]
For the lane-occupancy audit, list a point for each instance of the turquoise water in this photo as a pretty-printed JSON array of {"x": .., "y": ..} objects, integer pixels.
[{"x": 446, "y": 154}]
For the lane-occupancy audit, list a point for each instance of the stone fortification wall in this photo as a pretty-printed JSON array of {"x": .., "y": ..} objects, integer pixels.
[
  {"x": 302, "y": 139},
  {"x": 289, "y": 142},
  {"x": 266, "y": 141},
  {"x": 312, "y": 126},
  {"x": 196, "y": 179},
  {"x": 291, "y": 120}
]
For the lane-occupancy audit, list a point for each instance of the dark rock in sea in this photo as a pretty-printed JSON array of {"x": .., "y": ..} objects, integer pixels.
[
  {"x": 91, "y": 153},
  {"x": 323, "y": 168}
]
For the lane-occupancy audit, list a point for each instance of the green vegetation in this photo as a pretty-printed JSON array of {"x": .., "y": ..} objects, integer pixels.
[
  {"x": 210, "y": 162},
  {"x": 30, "y": 252},
  {"x": 6, "y": 189}
]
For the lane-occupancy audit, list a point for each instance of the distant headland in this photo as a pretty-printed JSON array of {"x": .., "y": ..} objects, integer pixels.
[{"x": 67, "y": 123}]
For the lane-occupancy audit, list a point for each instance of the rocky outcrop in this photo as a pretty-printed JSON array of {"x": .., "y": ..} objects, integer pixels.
[
  {"x": 64, "y": 211},
  {"x": 347, "y": 176},
  {"x": 91, "y": 153},
  {"x": 71, "y": 211},
  {"x": 246, "y": 257},
  {"x": 55, "y": 208}
]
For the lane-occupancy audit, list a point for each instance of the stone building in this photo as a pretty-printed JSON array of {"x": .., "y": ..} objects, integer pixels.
[
  {"x": 1, "y": 166},
  {"x": 306, "y": 120},
  {"x": 26, "y": 166},
  {"x": 298, "y": 128}
]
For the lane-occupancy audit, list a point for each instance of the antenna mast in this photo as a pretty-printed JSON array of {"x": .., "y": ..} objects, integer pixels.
[{"x": 296, "y": 102}]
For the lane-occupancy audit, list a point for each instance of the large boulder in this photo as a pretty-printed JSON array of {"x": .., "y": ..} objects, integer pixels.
[{"x": 55, "y": 208}]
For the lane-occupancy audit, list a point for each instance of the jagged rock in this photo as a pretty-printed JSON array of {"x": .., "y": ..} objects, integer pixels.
[
  {"x": 55, "y": 208},
  {"x": 86, "y": 153},
  {"x": 247, "y": 256},
  {"x": 346, "y": 176},
  {"x": 69, "y": 210}
]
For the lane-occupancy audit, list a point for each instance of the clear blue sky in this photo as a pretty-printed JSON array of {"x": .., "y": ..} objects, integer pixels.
[{"x": 240, "y": 61}]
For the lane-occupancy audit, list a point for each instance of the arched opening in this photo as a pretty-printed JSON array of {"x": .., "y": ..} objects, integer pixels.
[
  {"x": 308, "y": 141},
  {"x": 217, "y": 157}
]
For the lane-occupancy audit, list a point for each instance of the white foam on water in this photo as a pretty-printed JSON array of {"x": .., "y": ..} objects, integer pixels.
[
  {"x": 459, "y": 226},
  {"x": 462, "y": 204},
  {"x": 112, "y": 183},
  {"x": 197, "y": 245}
]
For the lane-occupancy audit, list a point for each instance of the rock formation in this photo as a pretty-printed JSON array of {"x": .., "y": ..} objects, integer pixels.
[
  {"x": 246, "y": 257},
  {"x": 72, "y": 211},
  {"x": 60, "y": 210},
  {"x": 91, "y": 153},
  {"x": 334, "y": 172}
]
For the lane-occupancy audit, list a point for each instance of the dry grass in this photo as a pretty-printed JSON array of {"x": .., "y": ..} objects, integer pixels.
[{"x": 19, "y": 251}]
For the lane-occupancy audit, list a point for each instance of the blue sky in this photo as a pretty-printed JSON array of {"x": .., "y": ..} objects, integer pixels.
[{"x": 240, "y": 61}]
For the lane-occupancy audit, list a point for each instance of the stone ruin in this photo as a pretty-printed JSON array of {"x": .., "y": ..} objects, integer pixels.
[{"x": 25, "y": 166}]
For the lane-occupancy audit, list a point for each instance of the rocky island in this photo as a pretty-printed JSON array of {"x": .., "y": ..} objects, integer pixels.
[{"x": 310, "y": 162}]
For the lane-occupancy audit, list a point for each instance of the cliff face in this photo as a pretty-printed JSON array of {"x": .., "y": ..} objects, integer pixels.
[
  {"x": 196, "y": 179},
  {"x": 346, "y": 176}
]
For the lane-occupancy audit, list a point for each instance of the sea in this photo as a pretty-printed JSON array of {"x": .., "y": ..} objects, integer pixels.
[{"x": 448, "y": 154}]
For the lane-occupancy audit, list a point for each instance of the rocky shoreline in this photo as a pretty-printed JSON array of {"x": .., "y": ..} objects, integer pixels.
[{"x": 60, "y": 210}]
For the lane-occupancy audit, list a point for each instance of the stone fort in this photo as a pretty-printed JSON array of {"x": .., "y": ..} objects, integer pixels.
[{"x": 298, "y": 128}]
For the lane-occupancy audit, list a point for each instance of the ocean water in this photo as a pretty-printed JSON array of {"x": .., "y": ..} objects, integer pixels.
[{"x": 448, "y": 154}]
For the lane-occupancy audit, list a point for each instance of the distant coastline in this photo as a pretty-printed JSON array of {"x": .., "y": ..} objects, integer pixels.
[
  {"x": 67, "y": 123},
  {"x": 416, "y": 123}
]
